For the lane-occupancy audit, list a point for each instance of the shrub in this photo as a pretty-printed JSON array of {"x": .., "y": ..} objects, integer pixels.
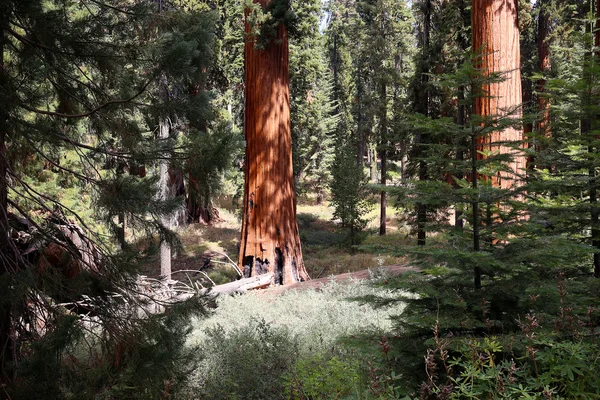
[
  {"x": 248, "y": 362},
  {"x": 317, "y": 318},
  {"x": 322, "y": 377},
  {"x": 146, "y": 360},
  {"x": 261, "y": 346},
  {"x": 548, "y": 367}
]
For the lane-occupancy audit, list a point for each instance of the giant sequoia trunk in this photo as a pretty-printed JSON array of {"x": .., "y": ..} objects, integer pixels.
[
  {"x": 270, "y": 241},
  {"x": 496, "y": 38}
]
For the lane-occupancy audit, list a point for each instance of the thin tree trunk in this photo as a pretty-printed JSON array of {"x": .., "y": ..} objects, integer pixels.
[
  {"x": 6, "y": 262},
  {"x": 335, "y": 70},
  {"x": 372, "y": 159},
  {"x": 423, "y": 175},
  {"x": 163, "y": 185},
  {"x": 270, "y": 241},
  {"x": 461, "y": 120},
  {"x": 527, "y": 88},
  {"x": 199, "y": 210},
  {"x": 496, "y": 38},
  {"x": 163, "y": 166},
  {"x": 7, "y": 259},
  {"x": 542, "y": 124},
  {"x": 460, "y": 154},
  {"x": 383, "y": 152},
  {"x": 384, "y": 142},
  {"x": 360, "y": 137},
  {"x": 121, "y": 231},
  {"x": 595, "y": 212},
  {"x": 475, "y": 209},
  {"x": 543, "y": 102},
  {"x": 586, "y": 127}
]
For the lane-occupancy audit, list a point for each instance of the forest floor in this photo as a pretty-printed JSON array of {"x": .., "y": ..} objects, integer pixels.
[{"x": 323, "y": 246}]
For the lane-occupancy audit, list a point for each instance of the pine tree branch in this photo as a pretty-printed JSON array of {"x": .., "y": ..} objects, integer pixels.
[
  {"x": 33, "y": 43},
  {"x": 91, "y": 112},
  {"x": 35, "y": 197},
  {"x": 70, "y": 171},
  {"x": 126, "y": 12},
  {"x": 126, "y": 155}
]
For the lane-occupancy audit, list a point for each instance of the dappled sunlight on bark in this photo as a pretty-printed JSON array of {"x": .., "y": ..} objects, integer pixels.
[
  {"x": 270, "y": 241},
  {"x": 496, "y": 38}
]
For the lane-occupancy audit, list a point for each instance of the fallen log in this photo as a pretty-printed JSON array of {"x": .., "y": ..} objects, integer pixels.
[
  {"x": 243, "y": 285},
  {"x": 155, "y": 295}
]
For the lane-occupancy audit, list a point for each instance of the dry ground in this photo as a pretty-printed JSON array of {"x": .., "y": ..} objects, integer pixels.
[
  {"x": 324, "y": 253},
  {"x": 389, "y": 270}
]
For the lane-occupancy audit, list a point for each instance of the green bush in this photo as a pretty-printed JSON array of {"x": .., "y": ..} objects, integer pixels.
[
  {"x": 146, "y": 360},
  {"x": 321, "y": 377},
  {"x": 255, "y": 333},
  {"x": 248, "y": 362},
  {"x": 549, "y": 367}
]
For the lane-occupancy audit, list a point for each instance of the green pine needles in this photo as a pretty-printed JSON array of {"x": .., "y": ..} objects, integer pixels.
[
  {"x": 349, "y": 193},
  {"x": 264, "y": 21}
]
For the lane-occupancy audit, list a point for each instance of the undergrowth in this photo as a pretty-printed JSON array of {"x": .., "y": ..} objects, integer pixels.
[{"x": 290, "y": 341}]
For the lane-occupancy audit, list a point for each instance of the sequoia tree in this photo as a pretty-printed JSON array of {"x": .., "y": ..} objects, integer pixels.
[
  {"x": 270, "y": 241},
  {"x": 544, "y": 66},
  {"x": 496, "y": 39}
]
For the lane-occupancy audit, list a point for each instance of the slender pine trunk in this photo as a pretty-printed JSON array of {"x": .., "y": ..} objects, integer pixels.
[
  {"x": 7, "y": 259},
  {"x": 372, "y": 160},
  {"x": 360, "y": 137},
  {"x": 383, "y": 152},
  {"x": 383, "y": 147},
  {"x": 595, "y": 211},
  {"x": 423, "y": 175},
  {"x": 163, "y": 170},
  {"x": 121, "y": 231},
  {"x": 475, "y": 207},
  {"x": 163, "y": 187},
  {"x": 460, "y": 154}
]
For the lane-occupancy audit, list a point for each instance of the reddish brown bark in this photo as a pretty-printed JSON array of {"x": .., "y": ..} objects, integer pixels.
[
  {"x": 270, "y": 241},
  {"x": 496, "y": 38}
]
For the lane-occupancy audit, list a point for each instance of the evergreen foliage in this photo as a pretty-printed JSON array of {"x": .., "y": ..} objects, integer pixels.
[
  {"x": 242, "y": 354},
  {"x": 79, "y": 83},
  {"x": 503, "y": 304},
  {"x": 349, "y": 193},
  {"x": 501, "y": 300}
]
